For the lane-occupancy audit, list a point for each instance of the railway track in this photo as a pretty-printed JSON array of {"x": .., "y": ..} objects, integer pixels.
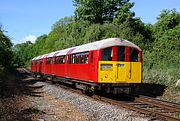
[
  {"x": 150, "y": 107},
  {"x": 153, "y": 108}
]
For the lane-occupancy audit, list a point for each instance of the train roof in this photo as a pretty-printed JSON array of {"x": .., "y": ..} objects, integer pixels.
[
  {"x": 34, "y": 58},
  {"x": 52, "y": 54},
  {"x": 43, "y": 56},
  {"x": 39, "y": 57},
  {"x": 97, "y": 45},
  {"x": 65, "y": 51},
  {"x": 104, "y": 44}
]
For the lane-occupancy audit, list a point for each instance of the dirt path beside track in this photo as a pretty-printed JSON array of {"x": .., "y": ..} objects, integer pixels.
[{"x": 20, "y": 100}]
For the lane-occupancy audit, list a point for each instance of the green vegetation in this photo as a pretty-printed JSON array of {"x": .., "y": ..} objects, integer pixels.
[
  {"x": 6, "y": 54},
  {"x": 99, "y": 19},
  {"x": 162, "y": 61}
]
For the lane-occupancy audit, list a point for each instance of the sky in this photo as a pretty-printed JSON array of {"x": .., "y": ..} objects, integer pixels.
[{"x": 27, "y": 19}]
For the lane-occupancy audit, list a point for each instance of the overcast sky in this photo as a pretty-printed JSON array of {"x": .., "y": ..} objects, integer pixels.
[{"x": 27, "y": 19}]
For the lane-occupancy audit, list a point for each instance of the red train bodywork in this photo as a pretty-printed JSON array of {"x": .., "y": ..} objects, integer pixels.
[{"x": 68, "y": 63}]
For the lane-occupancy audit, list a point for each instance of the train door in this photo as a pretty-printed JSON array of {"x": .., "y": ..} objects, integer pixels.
[
  {"x": 43, "y": 65},
  {"x": 129, "y": 66},
  {"x": 123, "y": 66},
  {"x": 91, "y": 64},
  {"x": 135, "y": 57},
  {"x": 67, "y": 60},
  {"x": 53, "y": 66},
  {"x": 50, "y": 65},
  {"x": 107, "y": 67}
]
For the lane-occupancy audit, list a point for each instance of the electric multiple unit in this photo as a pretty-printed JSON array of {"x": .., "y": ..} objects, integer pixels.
[{"x": 112, "y": 64}]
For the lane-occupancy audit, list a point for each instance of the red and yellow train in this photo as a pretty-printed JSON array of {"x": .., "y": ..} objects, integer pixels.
[{"x": 113, "y": 64}]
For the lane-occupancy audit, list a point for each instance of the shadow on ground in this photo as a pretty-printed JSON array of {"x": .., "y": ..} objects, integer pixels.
[
  {"x": 21, "y": 84},
  {"x": 13, "y": 91},
  {"x": 28, "y": 114},
  {"x": 151, "y": 90},
  {"x": 145, "y": 89}
]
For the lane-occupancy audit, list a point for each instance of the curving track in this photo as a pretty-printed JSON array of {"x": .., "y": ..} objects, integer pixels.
[
  {"x": 150, "y": 107},
  {"x": 153, "y": 108}
]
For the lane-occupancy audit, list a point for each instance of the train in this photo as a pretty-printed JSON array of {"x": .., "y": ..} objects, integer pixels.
[{"x": 112, "y": 65}]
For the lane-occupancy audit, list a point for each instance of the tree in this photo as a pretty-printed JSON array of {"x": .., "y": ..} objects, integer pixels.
[
  {"x": 167, "y": 38},
  {"x": 124, "y": 14},
  {"x": 62, "y": 22},
  {"x": 168, "y": 19},
  {"x": 101, "y": 11},
  {"x": 5, "y": 50}
]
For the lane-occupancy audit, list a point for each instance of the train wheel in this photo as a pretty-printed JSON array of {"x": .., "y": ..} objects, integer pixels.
[
  {"x": 53, "y": 80},
  {"x": 73, "y": 85},
  {"x": 88, "y": 91},
  {"x": 85, "y": 90}
]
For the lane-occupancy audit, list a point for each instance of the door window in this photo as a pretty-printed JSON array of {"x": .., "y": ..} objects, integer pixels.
[
  {"x": 121, "y": 53},
  {"x": 134, "y": 55},
  {"x": 107, "y": 54}
]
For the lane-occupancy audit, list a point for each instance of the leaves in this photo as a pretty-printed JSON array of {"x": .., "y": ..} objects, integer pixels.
[
  {"x": 103, "y": 11},
  {"x": 5, "y": 50}
]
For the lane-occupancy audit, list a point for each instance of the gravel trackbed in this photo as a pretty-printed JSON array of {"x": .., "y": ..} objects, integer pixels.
[{"x": 94, "y": 110}]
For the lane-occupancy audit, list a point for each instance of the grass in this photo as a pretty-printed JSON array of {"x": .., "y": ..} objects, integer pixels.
[
  {"x": 162, "y": 76},
  {"x": 168, "y": 77}
]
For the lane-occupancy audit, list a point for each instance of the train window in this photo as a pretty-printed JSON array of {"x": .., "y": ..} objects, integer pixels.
[
  {"x": 59, "y": 59},
  {"x": 86, "y": 57},
  {"x": 73, "y": 58},
  {"x": 49, "y": 61},
  {"x": 68, "y": 59},
  {"x": 34, "y": 62},
  {"x": 121, "y": 53},
  {"x": 107, "y": 54},
  {"x": 76, "y": 59},
  {"x": 80, "y": 58},
  {"x": 134, "y": 55},
  {"x": 40, "y": 61}
]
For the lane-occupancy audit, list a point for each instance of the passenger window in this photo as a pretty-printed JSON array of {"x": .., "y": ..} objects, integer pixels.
[
  {"x": 134, "y": 55},
  {"x": 86, "y": 57},
  {"x": 80, "y": 58},
  {"x": 59, "y": 60},
  {"x": 76, "y": 58},
  {"x": 68, "y": 59},
  {"x": 73, "y": 57},
  {"x": 40, "y": 61},
  {"x": 107, "y": 54},
  {"x": 49, "y": 61},
  {"x": 121, "y": 53}
]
